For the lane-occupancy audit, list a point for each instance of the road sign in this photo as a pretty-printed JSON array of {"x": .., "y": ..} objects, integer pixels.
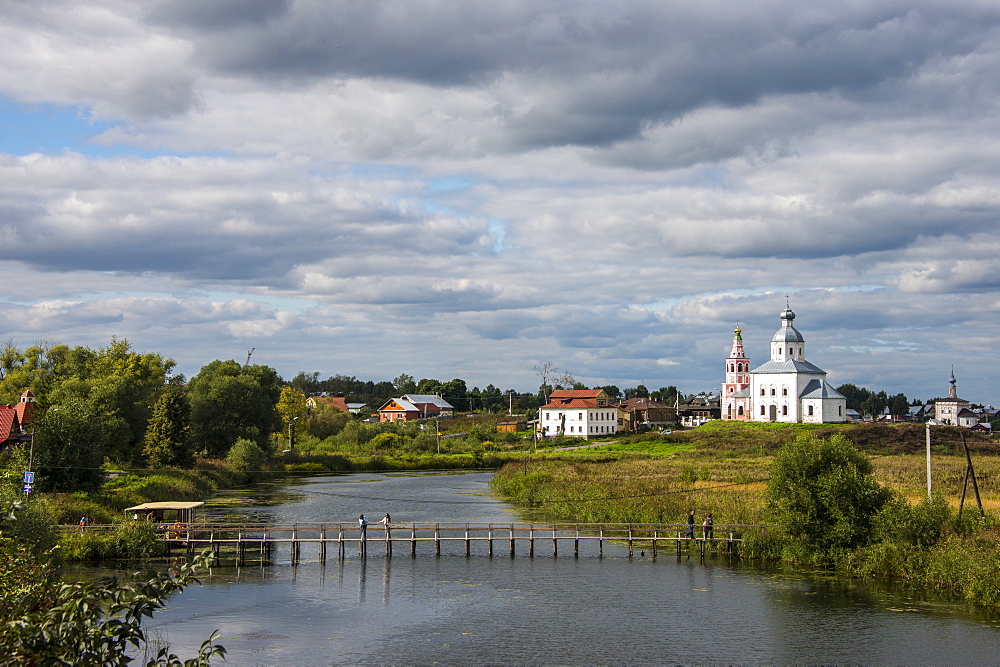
[
  {"x": 26, "y": 488},
  {"x": 29, "y": 478}
]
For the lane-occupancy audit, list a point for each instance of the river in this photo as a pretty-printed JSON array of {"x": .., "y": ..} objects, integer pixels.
[{"x": 539, "y": 610}]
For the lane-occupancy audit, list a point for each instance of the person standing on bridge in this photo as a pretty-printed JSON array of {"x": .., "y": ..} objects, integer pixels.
[
  {"x": 363, "y": 526},
  {"x": 690, "y": 532},
  {"x": 706, "y": 528}
]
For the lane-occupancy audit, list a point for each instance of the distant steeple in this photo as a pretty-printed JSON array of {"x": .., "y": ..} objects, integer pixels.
[{"x": 953, "y": 384}]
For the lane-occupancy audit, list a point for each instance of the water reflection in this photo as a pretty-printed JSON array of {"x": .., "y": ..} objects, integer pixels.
[{"x": 547, "y": 609}]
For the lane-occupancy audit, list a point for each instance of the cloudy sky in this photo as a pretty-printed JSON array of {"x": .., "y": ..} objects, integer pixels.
[{"x": 470, "y": 189}]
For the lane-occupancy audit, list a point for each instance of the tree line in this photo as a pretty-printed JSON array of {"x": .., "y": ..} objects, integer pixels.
[{"x": 116, "y": 405}]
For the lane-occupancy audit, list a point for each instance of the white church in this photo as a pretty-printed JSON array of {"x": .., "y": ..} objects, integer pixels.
[{"x": 785, "y": 389}]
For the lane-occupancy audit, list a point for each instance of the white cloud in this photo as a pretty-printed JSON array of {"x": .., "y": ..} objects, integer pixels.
[{"x": 611, "y": 189}]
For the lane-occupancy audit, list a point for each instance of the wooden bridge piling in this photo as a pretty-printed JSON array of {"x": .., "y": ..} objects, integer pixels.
[{"x": 244, "y": 542}]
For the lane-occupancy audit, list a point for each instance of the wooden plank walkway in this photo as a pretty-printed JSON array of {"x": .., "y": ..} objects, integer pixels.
[{"x": 259, "y": 542}]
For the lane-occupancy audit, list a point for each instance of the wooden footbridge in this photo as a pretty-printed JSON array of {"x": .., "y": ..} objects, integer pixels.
[{"x": 263, "y": 542}]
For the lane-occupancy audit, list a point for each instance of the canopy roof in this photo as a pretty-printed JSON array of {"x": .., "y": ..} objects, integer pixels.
[{"x": 172, "y": 505}]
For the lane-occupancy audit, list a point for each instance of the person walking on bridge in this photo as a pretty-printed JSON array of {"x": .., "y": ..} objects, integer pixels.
[{"x": 690, "y": 532}]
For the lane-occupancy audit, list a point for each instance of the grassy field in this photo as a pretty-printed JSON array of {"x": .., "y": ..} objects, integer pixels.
[{"x": 724, "y": 469}]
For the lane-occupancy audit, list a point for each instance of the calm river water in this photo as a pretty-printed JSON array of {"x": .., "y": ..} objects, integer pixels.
[{"x": 543, "y": 609}]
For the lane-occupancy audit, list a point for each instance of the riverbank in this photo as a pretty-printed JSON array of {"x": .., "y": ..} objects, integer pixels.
[{"x": 921, "y": 542}]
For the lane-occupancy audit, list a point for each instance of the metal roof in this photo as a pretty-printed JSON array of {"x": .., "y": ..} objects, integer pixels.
[
  {"x": 820, "y": 389},
  {"x": 789, "y": 366}
]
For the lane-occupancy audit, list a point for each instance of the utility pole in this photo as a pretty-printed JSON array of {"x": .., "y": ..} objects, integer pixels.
[{"x": 928, "y": 427}]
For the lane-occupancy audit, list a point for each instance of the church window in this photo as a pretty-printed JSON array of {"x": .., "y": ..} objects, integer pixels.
[
  {"x": 810, "y": 411},
  {"x": 762, "y": 411},
  {"x": 739, "y": 411},
  {"x": 784, "y": 409},
  {"x": 772, "y": 391},
  {"x": 840, "y": 411},
  {"x": 762, "y": 393},
  {"x": 784, "y": 391}
]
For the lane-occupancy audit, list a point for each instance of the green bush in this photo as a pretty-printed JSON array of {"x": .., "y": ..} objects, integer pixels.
[
  {"x": 246, "y": 456},
  {"x": 135, "y": 539},
  {"x": 921, "y": 524},
  {"x": 823, "y": 492}
]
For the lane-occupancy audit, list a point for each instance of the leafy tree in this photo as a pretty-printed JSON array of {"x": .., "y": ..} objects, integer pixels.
[
  {"x": 292, "y": 407},
  {"x": 168, "y": 435},
  {"x": 230, "y": 401},
  {"x": 492, "y": 399},
  {"x": 456, "y": 393},
  {"x": 875, "y": 405},
  {"x": 70, "y": 444},
  {"x": 404, "y": 384},
  {"x": 430, "y": 387},
  {"x": 307, "y": 383},
  {"x": 639, "y": 392},
  {"x": 667, "y": 395},
  {"x": 325, "y": 420},
  {"x": 116, "y": 383},
  {"x": 48, "y": 622},
  {"x": 823, "y": 492},
  {"x": 246, "y": 456},
  {"x": 899, "y": 406}
]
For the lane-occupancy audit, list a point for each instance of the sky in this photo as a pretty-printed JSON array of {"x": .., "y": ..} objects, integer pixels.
[{"x": 473, "y": 189}]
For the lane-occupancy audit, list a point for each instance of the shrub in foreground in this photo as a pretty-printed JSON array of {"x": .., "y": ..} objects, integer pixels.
[{"x": 823, "y": 492}]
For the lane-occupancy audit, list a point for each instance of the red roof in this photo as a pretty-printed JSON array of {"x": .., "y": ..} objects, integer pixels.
[
  {"x": 9, "y": 424},
  {"x": 338, "y": 402},
  {"x": 26, "y": 408},
  {"x": 575, "y": 393}
]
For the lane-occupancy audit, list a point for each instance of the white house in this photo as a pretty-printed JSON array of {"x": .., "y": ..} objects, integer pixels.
[{"x": 580, "y": 413}]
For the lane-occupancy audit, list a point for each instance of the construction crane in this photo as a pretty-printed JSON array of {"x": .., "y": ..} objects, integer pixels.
[{"x": 248, "y": 356}]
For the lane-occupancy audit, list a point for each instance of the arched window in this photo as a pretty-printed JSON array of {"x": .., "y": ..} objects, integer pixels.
[
  {"x": 739, "y": 411},
  {"x": 784, "y": 409}
]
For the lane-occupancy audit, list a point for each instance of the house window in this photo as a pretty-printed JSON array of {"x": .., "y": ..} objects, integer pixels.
[
  {"x": 548, "y": 415},
  {"x": 580, "y": 417}
]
